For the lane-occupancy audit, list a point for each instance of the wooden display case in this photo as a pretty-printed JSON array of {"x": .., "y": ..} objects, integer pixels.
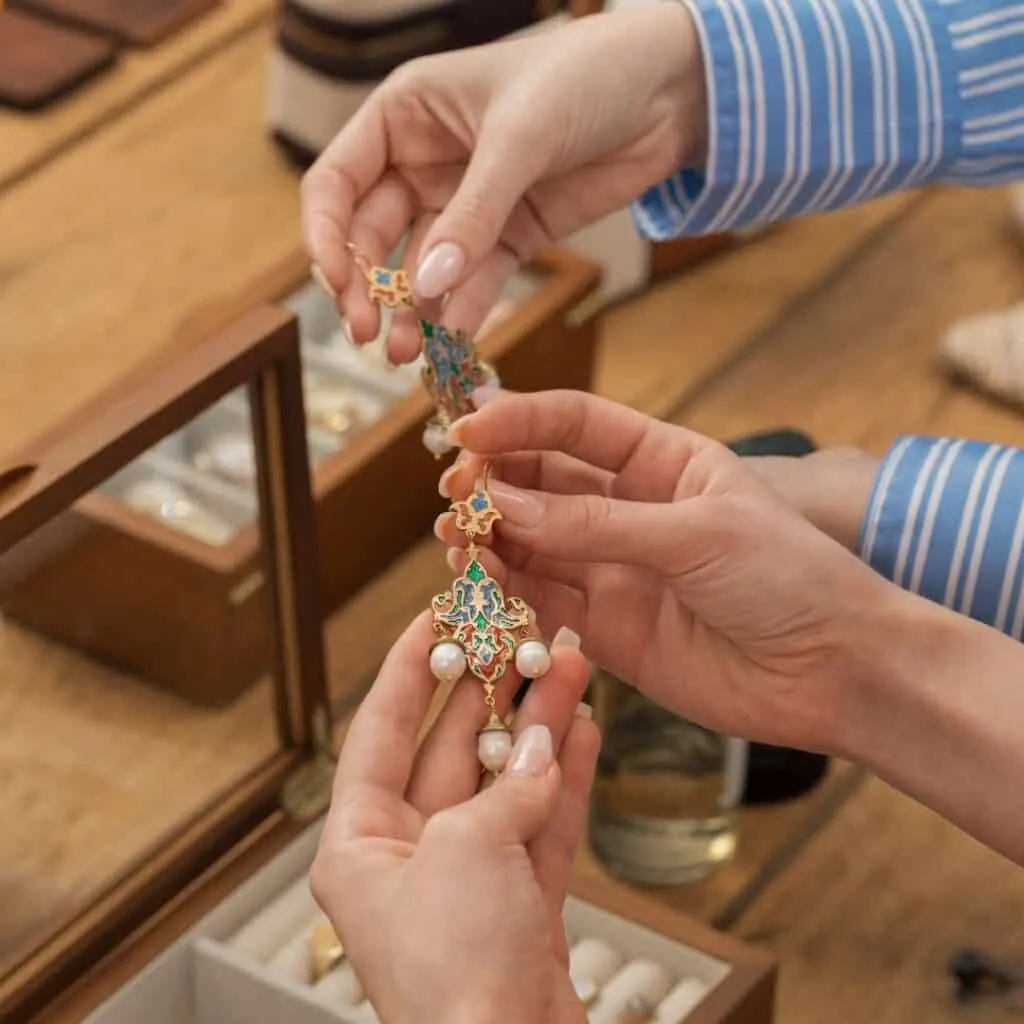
[
  {"x": 144, "y": 832},
  {"x": 180, "y": 602}
]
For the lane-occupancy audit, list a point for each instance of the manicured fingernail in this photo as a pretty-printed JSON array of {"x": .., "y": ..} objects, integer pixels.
[
  {"x": 348, "y": 333},
  {"x": 533, "y": 753},
  {"x": 518, "y": 507},
  {"x": 440, "y": 523},
  {"x": 584, "y": 711},
  {"x": 484, "y": 394},
  {"x": 456, "y": 432},
  {"x": 440, "y": 270},
  {"x": 454, "y": 559},
  {"x": 565, "y": 637},
  {"x": 447, "y": 476},
  {"x": 318, "y": 275}
]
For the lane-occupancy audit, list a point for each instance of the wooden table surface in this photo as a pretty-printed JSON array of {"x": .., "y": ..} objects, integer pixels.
[{"x": 155, "y": 191}]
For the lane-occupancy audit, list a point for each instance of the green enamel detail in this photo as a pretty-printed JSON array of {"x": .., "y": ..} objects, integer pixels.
[{"x": 475, "y": 572}]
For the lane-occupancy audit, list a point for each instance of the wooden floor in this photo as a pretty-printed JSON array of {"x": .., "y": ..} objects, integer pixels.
[{"x": 157, "y": 192}]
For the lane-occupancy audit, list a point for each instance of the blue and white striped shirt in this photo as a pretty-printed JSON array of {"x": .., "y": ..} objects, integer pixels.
[
  {"x": 818, "y": 104},
  {"x": 946, "y": 520}
]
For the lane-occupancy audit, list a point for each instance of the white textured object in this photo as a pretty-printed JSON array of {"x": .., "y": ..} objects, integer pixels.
[
  {"x": 592, "y": 964},
  {"x": 988, "y": 351},
  {"x": 638, "y": 980},
  {"x": 681, "y": 1001}
]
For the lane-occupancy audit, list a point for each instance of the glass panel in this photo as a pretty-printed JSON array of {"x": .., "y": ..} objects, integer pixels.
[{"x": 135, "y": 645}]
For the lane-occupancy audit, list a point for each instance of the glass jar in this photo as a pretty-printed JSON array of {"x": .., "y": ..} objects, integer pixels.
[{"x": 665, "y": 800}]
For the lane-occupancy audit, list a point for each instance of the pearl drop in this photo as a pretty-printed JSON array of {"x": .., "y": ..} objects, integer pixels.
[
  {"x": 447, "y": 662},
  {"x": 532, "y": 659},
  {"x": 435, "y": 440},
  {"x": 493, "y": 747}
]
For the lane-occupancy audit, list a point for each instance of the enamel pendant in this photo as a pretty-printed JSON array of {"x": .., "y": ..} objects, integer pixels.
[
  {"x": 482, "y": 631},
  {"x": 387, "y": 287},
  {"x": 452, "y": 371}
]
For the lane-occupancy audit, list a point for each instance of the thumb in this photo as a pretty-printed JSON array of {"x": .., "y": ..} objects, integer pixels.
[
  {"x": 507, "y": 161},
  {"x": 519, "y": 805}
]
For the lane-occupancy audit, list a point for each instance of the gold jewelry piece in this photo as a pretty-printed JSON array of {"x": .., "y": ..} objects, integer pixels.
[
  {"x": 638, "y": 1010},
  {"x": 332, "y": 408},
  {"x": 482, "y": 630},
  {"x": 452, "y": 371},
  {"x": 326, "y": 950},
  {"x": 388, "y": 287},
  {"x": 167, "y": 502},
  {"x": 587, "y": 990}
]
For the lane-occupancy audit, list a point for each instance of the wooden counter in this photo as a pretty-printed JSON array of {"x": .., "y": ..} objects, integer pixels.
[{"x": 156, "y": 191}]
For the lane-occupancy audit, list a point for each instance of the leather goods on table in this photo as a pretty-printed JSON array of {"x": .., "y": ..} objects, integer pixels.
[
  {"x": 41, "y": 61},
  {"x": 134, "y": 23}
]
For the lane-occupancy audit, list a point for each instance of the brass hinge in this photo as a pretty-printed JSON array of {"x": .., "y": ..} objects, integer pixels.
[{"x": 307, "y": 793}]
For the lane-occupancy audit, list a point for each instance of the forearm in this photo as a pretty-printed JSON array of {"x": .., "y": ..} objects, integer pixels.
[
  {"x": 816, "y": 106},
  {"x": 936, "y": 708}
]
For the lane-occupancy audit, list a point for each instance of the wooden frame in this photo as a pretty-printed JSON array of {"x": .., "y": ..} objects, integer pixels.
[{"x": 261, "y": 349}]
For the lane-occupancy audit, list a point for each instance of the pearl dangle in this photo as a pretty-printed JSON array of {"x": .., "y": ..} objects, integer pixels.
[{"x": 482, "y": 630}]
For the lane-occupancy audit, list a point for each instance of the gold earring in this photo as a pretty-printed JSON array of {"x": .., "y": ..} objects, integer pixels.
[
  {"x": 388, "y": 287},
  {"x": 482, "y": 630},
  {"x": 452, "y": 371},
  {"x": 326, "y": 950}
]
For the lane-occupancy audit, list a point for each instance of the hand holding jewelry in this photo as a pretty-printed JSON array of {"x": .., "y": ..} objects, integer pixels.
[{"x": 482, "y": 630}]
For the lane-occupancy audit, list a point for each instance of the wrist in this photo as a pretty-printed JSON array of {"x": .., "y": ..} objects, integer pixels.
[
  {"x": 936, "y": 713},
  {"x": 831, "y": 488},
  {"x": 675, "y": 46},
  {"x": 909, "y": 660}
]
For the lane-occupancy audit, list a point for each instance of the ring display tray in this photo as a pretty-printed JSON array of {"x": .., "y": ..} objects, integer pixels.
[{"x": 248, "y": 962}]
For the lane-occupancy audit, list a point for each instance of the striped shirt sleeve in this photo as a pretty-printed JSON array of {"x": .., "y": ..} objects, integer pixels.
[
  {"x": 946, "y": 520},
  {"x": 819, "y": 104}
]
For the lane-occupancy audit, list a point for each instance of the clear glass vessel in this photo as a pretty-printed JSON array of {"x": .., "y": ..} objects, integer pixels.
[{"x": 664, "y": 805}]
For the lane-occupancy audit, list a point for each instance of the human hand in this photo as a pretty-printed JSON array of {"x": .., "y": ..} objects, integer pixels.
[
  {"x": 684, "y": 572},
  {"x": 449, "y": 898},
  {"x": 830, "y": 487},
  {"x": 489, "y": 153}
]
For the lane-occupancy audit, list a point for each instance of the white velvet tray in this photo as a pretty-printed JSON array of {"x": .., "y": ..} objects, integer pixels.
[{"x": 246, "y": 961}]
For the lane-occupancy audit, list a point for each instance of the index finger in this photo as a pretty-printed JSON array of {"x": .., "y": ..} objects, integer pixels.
[
  {"x": 380, "y": 747},
  {"x": 595, "y": 430},
  {"x": 344, "y": 172}
]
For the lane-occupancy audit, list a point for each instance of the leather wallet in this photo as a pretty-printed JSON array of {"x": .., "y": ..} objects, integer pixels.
[
  {"x": 41, "y": 61},
  {"x": 129, "y": 22}
]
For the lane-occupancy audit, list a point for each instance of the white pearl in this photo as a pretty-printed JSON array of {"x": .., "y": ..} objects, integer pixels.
[
  {"x": 435, "y": 440},
  {"x": 532, "y": 659},
  {"x": 493, "y": 748},
  {"x": 447, "y": 662}
]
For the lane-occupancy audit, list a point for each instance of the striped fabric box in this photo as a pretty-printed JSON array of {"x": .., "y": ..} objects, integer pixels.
[{"x": 329, "y": 54}]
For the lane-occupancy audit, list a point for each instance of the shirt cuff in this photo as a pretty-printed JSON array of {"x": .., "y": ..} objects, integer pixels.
[
  {"x": 812, "y": 106},
  {"x": 946, "y": 521}
]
